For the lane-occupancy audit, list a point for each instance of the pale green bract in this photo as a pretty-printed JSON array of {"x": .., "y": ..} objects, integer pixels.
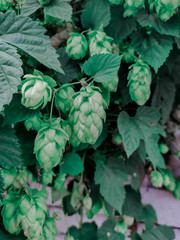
[
  {"x": 121, "y": 227},
  {"x": 87, "y": 115},
  {"x": 111, "y": 85},
  {"x": 99, "y": 42},
  {"x": 33, "y": 123},
  {"x": 132, "y": 7},
  {"x": 49, "y": 146},
  {"x": 139, "y": 81},
  {"x": 8, "y": 175},
  {"x": 4, "y": 4},
  {"x": 63, "y": 98},
  {"x": 37, "y": 90},
  {"x": 116, "y": 2},
  {"x": 50, "y": 229},
  {"x": 156, "y": 179},
  {"x": 77, "y": 46}
]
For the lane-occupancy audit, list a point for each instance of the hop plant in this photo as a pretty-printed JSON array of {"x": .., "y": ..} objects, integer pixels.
[
  {"x": 131, "y": 7},
  {"x": 139, "y": 81},
  {"x": 77, "y": 46},
  {"x": 49, "y": 229},
  {"x": 36, "y": 90},
  {"x": 156, "y": 179},
  {"x": 44, "y": 2},
  {"x": 99, "y": 42},
  {"x": 111, "y": 85},
  {"x": 116, "y": 2},
  {"x": 87, "y": 115},
  {"x": 47, "y": 177},
  {"x": 168, "y": 180},
  {"x": 33, "y": 123},
  {"x": 4, "y": 4},
  {"x": 127, "y": 51},
  {"x": 49, "y": 146},
  {"x": 64, "y": 100}
]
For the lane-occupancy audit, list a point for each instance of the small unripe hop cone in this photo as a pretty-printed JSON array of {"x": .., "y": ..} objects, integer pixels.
[{"x": 156, "y": 179}]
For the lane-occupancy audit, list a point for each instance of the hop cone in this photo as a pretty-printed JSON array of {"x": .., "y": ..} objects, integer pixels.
[
  {"x": 87, "y": 115},
  {"x": 44, "y": 2},
  {"x": 139, "y": 82},
  {"x": 166, "y": 8},
  {"x": 127, "y": 51},
  {"x": 49, "y": 146},
  {"x": 156, "y": 179},
  {"x": 99, "y": 43},
  {"x": 111, "y": 85},
  {"x": 116, "y": 2},
  {"x": 49, "y": 229},
  {"x": 163, "y": 148},
  {"x": 77, "y": 46},
  {"x": 132, "y": 7},
  {"x": 121, "y": 227},
  {"x": 8, "y": 175},
  {"x": 47, "y": 177},
  {"x": 168, "y": 180},
  {"x": 59, "y": 182},
  {"x": 128, "y": 220},
  {"x": 4, "y": 4},
  {"x": 36, "y": 90},
  {"x": 33, "y": 123},
  {"x": 64, "y": 100}
]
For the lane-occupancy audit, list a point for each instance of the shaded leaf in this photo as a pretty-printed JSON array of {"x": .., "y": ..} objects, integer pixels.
[
  {"x": 88, "y": 231},
  {"x": 159, "y": 233},
  {"x": 148, "y": 214}
]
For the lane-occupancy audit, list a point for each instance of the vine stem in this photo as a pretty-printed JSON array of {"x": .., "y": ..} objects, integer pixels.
[{"x": 52, "y": 103}]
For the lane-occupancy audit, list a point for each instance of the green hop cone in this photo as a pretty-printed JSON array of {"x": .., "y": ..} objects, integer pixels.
[
  {"x": 168, "y": 180},
  {"x": 47, "y": 177},
  {"x": 111, "y": 85},
  {"x": 117, "y": 138},
  {"x": 116, "y": 2},
  {"x": 4, "y": 4},
  {"x": 166, "y": 8},
  {"x": 33, "y": 123},
  {"x": 66, "y": 127},
  {"x": 127, "y": 51},
  {"x": 139, "y": 81},
  {"x": 128, "y": 220},
  {"x": 44, "y": 2},
  {"x": 49, "y": 146},
  {"x": 132, "y": 7},
  {"x": 163, "y": 148},
  {"x": 49, "y": 229},
  {"x": 94, "y": 210},
  {"x": 64, "y": 100},
  {"x": 121, "y": 227},
  {"x": 59, "y": 182},
  {"x": 99, "y": 42},
  {"x": 77, "y": 46},
  {"x": 87, "y": 115},
  {"x": 156, "y": 179},
  {"x": 37, "y": 90},
  {"x": 8, "y": 175}
]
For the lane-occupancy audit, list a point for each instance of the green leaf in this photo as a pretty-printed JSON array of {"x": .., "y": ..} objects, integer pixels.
[
  {"x": 142, "y": 127},
  {"x": 95, "y": 14},
  {"x": 148, "y": 215},
  {"x": 69, "y": 66},
  {"x": 171, "y": 27},
  {"x": 29, "y": 7},
  {"x": 10, "y": 151},
  {"x": 10, "y": 73},
  {"x": 119, "y": 27},
  {"x": 106, "y": 231},
  {"x": 132, "y": 205},
  {"x": 72, "y": 164},
  {"x": 102, "y": 67},
  {"x": 163, "y": 96},
  {"x": 110, "y": 177},
  {"x": 23, "y": 33},
  {"x": 159, "y": 233},
  {"x": 7, "y": 236},
  {"x": 15, "y": 112},
  {"x": 59, "y": 9},
  {"x": 88, "y": 231},
  {"x": 154, "y": 48}
]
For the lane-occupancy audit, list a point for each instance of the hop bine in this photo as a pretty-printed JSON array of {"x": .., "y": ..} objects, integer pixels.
[
  {"x": 139, "y": 81},
  {"x": 87, "y": 115},
  {"x": 77, "y": 46}
]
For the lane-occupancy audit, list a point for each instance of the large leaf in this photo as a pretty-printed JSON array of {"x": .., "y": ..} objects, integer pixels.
[
  {"x": 171, "y": 27},
  {"x": 72, "y": 164},
  {"x": 29, "y": 7},
  {"x": 10, "y": 73},
  {"x": 163, "y": 96},
  {"x": 15, "y": 112},
  {"x": 119, "y": 27},
  {"x": 102, "y": 67},
  {"x": 154, "y": 48},
  {"x": 142, "y": 127},
  {"x": 59, "y": 9},
  {"x": 132, "y": 205},
  {"x": 10, "y": 151},
  {"x": 95, "y": 14},
  {"x": 148, "y": 215},
  {"x": 68, "y": 65},
  {"x": 110, "y": 177},
  {"x": 29, "y": 36},
  {"x": 88, "y": 231},
  {"x": 159, "y": 233}
]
